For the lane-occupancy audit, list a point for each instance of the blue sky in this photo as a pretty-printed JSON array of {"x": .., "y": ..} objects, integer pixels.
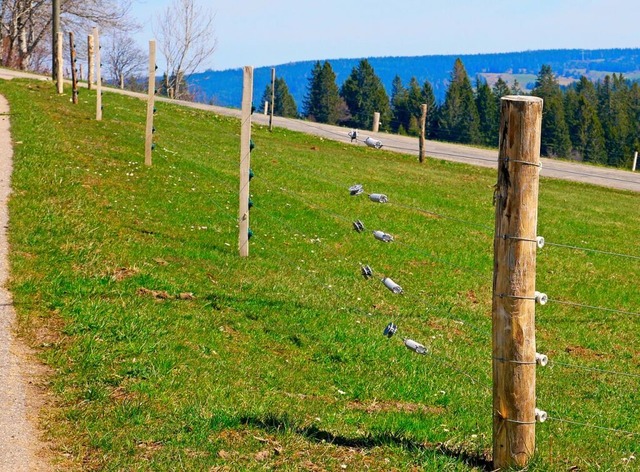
[{"x": 265, "y": 33}]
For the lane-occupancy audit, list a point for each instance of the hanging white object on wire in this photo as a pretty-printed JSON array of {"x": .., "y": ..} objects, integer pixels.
[
  {"x": 374, "y": 143},
  {"x": 541, "y": 298},
  {"x": 391, "y": 285},
  {"x": 382, "y": 236},
  {"x": 415, "y": 346},
  {"x": 378, "y": 197},
  {"x": 390, "y": 330},
  {"x": 353, "y": 134},
  {"x": 356, "y": 189},
  {"x": 541, "y": 359}
]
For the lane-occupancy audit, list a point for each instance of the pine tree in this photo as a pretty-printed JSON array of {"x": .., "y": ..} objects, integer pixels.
[
  {"x": 459, "y": 119},
  {"x": 399, "y": 106},
  {"x": 555, "y": 134},
  {"x": 613, "y": 111},
  {"x": 284, "y": 103},
  {"x": 364, "y": 94},
  {"x": 429, "y": 98},
  {"x": 322, "y": 102},
  {"x": 585, "y": 130},
  {"x": 487, "y": 113}
]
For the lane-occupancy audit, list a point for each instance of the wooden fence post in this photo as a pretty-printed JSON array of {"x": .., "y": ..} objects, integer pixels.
[
  {"x": 74, "y": 70},
  {"x": 423, "y": 127},
  {"x": 266, "y": 107},
  {"x": 151, "y": 94},
  {"x": 376, "y": 122},
  {"x": 90, "y": 58},
  {"x": 245, "y": 160},
  {"x": 59, "y": 64},
  {"x": 273, "y": 97},
  {"x": 635, "y": 162},
  {"x": 513, "y": 312},
  {"x": 98, "y": 65},
  {"x": 122, "y": 81}
]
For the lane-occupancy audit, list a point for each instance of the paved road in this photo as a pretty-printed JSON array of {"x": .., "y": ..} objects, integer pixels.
[{"x": 572, "y": 171}]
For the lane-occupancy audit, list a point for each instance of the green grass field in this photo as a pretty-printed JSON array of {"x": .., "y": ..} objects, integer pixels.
[{"x": 169, "y": 352}]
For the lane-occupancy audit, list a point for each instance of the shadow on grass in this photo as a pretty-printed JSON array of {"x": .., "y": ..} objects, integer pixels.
[{"x": 313, "y": 433}]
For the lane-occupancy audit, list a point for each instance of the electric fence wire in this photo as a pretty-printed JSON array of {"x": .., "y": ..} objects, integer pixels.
[
  {"x": 588, "y": 425},
  {"x": 597, "y": 251},
  {"x": 593, "y": 307},
  {"x": 553, "y": 363}
]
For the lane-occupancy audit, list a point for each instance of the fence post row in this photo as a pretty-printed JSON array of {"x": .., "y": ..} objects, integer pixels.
[
  {"x": 98, "y": 65},
  {"x": 245, "y": 161},
  {"x": 74, "y": 70},
  {"x": 423, "y": 127},
  {"x": 273, "y": 97},
  {"x": 513, "y": 311},
  {"x": 151, "y": 93},
  {"x": 90, "y": 66},
  {"x": 59, "y": 64}
]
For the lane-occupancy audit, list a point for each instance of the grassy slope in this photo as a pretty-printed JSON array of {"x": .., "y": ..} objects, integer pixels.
[{"x": 279, "y": 361}]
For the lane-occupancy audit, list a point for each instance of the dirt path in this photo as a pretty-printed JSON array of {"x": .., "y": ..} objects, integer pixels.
[{"x": 20, "y": 447}]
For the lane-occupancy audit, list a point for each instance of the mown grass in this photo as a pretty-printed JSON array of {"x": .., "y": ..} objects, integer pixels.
[{"x": 278, "y": 361}]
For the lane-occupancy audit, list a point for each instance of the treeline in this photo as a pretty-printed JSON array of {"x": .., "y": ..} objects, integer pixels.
[{"x": 592, "y": 122}]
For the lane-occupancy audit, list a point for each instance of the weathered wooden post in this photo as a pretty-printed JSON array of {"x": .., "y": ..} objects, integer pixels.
[
  {"x": 122, "y": 81},
  {"x": 59, "y": 64},
  {"x": 74, "y": 70},
  {"x": 266, "y": 107},
  {"x": 151, "y": 95},
  {"x": 635, "y": 162},
  {"x": 80, "y": 76},
  {"x": 245, "y": 160},
  {"x": 514, "y": 276},
  {"x": 55, "y": 37},
  {"x": 376, "y": 122},
  {"x": 423, "y": 127},
  {"x": 96, "y": 41},
  {"x": 273, "y": 97},
  {"x": 90, "y": 58}
]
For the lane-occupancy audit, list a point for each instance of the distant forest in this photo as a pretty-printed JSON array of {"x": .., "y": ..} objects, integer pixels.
[
  {"x": 224, "y": 87},
  {"x": 591, "y": 98}
]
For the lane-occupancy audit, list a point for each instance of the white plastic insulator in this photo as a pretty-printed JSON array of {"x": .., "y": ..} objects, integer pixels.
[
  {"x": 378, "y": 197},
  {"x": 382, "y": 236},
  {"x": 541, "y": 298},
  {"x": 391, "y": 285},
  {"x": 374, "y": 143},
  {"x": 541, "y": 416},
  {"x": 415, "y": 346},
  {"x": 541, "y": 359},
  {"x": 540, "y": 241}
]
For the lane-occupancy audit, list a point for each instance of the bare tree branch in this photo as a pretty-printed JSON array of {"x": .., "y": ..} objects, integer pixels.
[{"x": 186, "y": 38}]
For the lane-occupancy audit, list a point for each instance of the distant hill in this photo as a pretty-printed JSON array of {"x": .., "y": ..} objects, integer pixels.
[{"x": 225, "y": 87}]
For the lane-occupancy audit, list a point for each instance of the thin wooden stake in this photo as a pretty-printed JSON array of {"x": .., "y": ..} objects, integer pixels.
[
  {"x": 151, "y": 96},
  {"x": 122, "y": 81},
  {"x": 376, "y": 122},
  {"x": 96, "y": 40},
  {"x": 423, "y": 127},
  {"x": 514, "y": 282},
  {"x": 74, "y": 70},
  {"x": 60, "y": 64},
  {"x": 273, "y": 97},
  {"x": 635, "y": 162},
  {"x": 245, "y": 160},
  {"x": 90, "y": 53}
]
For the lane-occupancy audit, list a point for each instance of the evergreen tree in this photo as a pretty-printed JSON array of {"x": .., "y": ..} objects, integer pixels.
[
  {"x": 322, "y": 102},
  {"x": 429, "y": 98},
  {"x": 364, "y": 94},
  {"x": 414, "y": 105},
  {"x": 487, "y": 113},
  {"x": 459, "y": 119},
  {"x": 399, "y": 107},
  {"x": 284, "y": 103},
  {"x": 614, "y": 115},
  {"x": 585, "y": 130},
  {"x": 555, "y": 134}
]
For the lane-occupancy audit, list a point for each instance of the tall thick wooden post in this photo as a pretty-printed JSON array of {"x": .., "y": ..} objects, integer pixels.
[
  {"x": 59, "y": 64},
  {"x": 245, "y": 160},
  {"x": 74, "y": 69},
  {"x": 514, "y": 276},
  {"x": 98, "y": 65},
  {"x": 423, "y": 127},
  {"x": 273, "y": 97},
  {"x": 55, "y": 38},
  {"x": 635, "y": 162},
  {"x": 151, "y": 96},
  {"x": 376, "y": 122}
]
